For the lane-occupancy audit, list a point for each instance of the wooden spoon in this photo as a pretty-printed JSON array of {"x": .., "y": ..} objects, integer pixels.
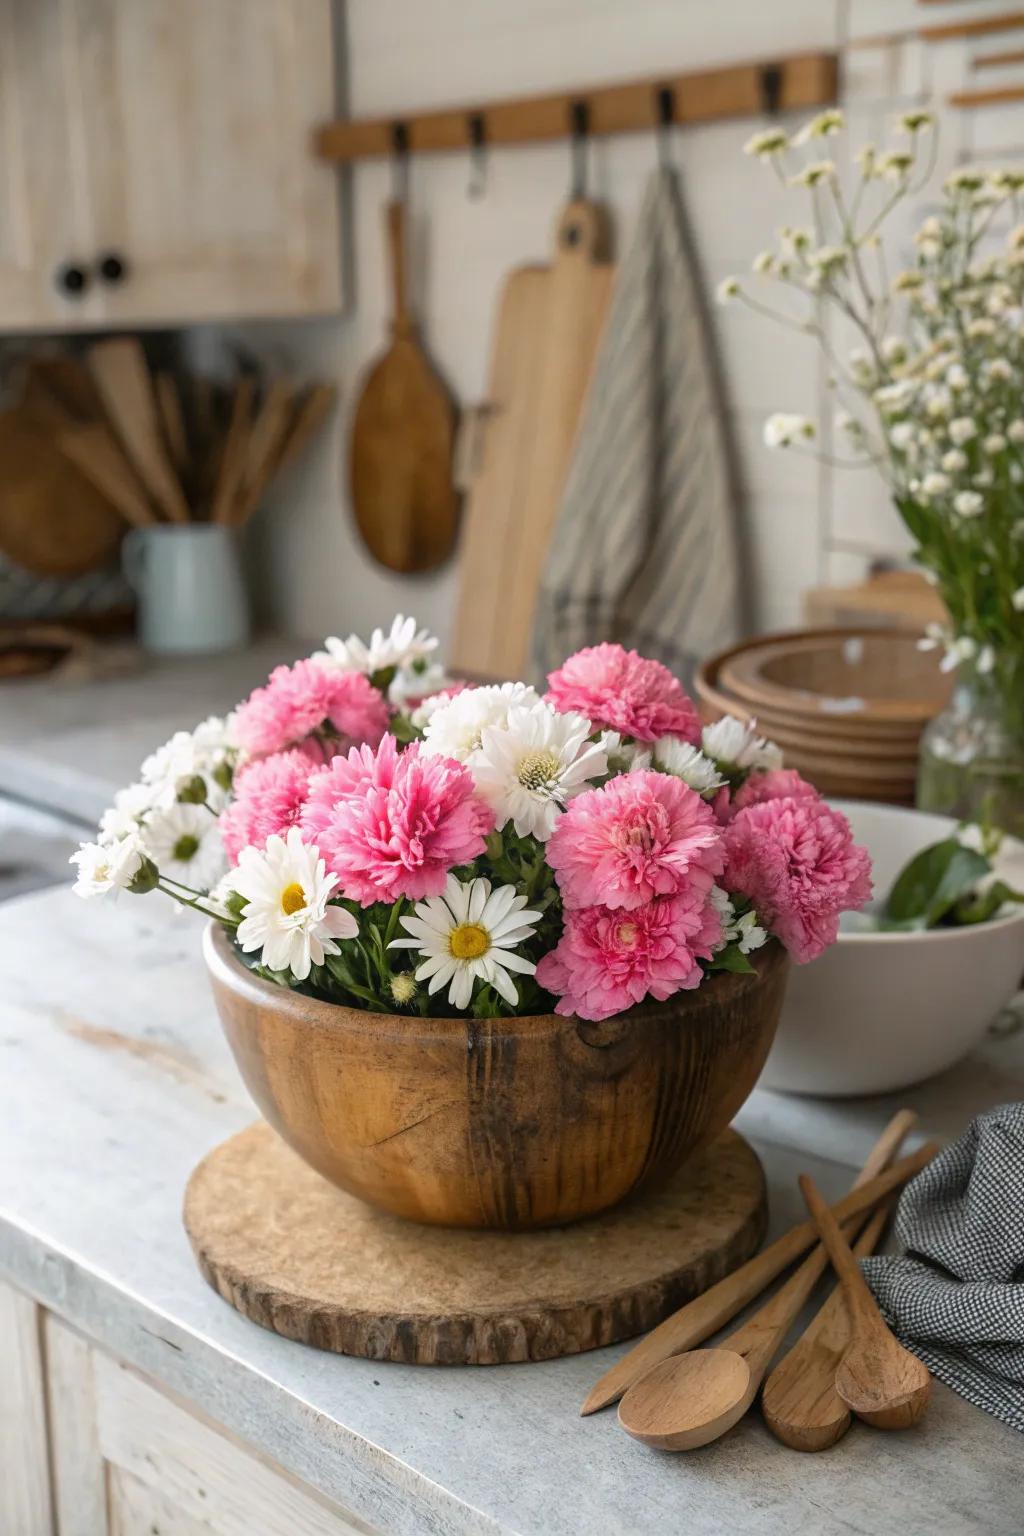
[
  {"x": 403, "y": 493},
  {"x": 800, "y": 1403},
  {"x": 694, "y": 1398},
  {"x": 703, "y": 1316},
  {"x": 880, "y": 1380}
]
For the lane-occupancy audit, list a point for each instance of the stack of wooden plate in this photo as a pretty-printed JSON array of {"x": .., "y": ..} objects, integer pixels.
[{"x": 847, "y": 706}]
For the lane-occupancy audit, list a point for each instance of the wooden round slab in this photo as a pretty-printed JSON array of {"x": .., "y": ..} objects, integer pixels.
[{"x": 296, "y": 1255}]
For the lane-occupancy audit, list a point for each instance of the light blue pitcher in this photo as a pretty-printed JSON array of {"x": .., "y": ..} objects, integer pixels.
[{"x": 191, "y": 592}]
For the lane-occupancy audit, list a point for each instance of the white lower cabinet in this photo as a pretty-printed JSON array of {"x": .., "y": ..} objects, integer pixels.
[{"x": 89, "y": 1447}]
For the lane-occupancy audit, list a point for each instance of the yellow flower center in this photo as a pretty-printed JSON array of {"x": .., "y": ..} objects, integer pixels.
[
  {"x": 469, "y": 941},
  {"x": 627, "y": 933},
  {"x": 537, "y": 768},
  {"x": 293, "y": 898}
]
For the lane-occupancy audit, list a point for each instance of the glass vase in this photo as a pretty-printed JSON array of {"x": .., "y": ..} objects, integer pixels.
[{"x": 971, "y": 760}]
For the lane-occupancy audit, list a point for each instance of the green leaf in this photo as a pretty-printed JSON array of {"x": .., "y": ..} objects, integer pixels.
[
  {"x": 732, "y": 959},
  {"x": 932, "y": 883},
  {"x": 982, "y": 905}
]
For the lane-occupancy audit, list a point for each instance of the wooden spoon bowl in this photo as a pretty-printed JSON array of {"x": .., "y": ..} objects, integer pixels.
[
  {"x": 690, "y": 1400},
  {"x": 891, "y": 1398}
]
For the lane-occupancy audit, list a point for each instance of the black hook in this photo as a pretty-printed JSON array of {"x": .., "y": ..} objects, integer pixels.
[
  {"x": 771, "y": 89},
  {"x": 666, "y": 104},
  {"x": 400, "y": 161},
  {"x": 477, "y": 155},
  {"x": 580, "y": 120}
]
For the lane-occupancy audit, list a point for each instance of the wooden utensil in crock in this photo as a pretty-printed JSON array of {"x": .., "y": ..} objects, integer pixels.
[{"x": 508, "y": 1123}]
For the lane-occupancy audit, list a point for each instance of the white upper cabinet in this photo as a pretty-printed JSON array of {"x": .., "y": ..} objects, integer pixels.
[{"x": 156, "y": 162}]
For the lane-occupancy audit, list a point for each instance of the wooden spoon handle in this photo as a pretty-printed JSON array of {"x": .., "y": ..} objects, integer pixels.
[
  {"x": 720, "y": 1303},
  {"x": 856, "y": 1289},
  {"x": 398, "y": 250},
  {"x": 759, "y": 1337}
]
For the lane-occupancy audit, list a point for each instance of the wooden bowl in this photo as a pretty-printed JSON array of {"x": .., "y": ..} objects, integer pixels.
[
  {"x": 844, "y": 677},
  {"x": 508, "y": 1123}
]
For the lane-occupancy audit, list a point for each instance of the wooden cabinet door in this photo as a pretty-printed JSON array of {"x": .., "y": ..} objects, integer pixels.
[
  {"x": 43, "y": 222},
  {"x": 195, "y": 120}
]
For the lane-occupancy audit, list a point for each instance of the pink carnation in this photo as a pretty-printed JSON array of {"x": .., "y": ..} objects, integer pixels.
[
  {"x": 776, "y": 784},
  {"x": 269, "y": 795},
  {"x": 797, "y": 862},
  {"x": 393, "y": 824},
  {"x": 638, "y": 837},
  {"x": 625, "y": 692},
  {"x": 606, "y": 961},
  {"x": 303, "y": 698}
]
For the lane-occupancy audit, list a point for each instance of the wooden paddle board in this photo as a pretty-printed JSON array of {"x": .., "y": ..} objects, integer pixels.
[{"x": 549, "y": 325}]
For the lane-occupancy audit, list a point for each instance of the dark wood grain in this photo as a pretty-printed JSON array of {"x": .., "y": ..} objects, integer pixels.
[
  {"x": 508, "y": 1123},
  {"x": 297, "y": 1256}
]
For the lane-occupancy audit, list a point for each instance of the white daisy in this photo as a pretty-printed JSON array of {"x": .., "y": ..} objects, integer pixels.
[
  {"x": 171, "y": 767},
  {"x": 400, "y": 647},
  {"x": 624, "y": 756},
  {"x": 783, "y": 428},
  {"x": 286, "y": 889},
  {"x": 106, "y": 868},
  {"x": 531, "y": 766},
  {"x": 185, "y": 844},
  {"x": 737, "y": 744},
  {"x": 470, "y": 933},
  {"x": 456, "y": 728},
  {"x": 674, "y": 755}
]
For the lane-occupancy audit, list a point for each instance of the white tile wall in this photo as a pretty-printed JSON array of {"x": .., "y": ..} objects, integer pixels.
[{"x": 803, "y": 523}]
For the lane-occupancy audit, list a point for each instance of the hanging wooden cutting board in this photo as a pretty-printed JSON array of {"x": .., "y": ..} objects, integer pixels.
[
  {"x": 403, "y": 495},
  {"x": 546, "y": 337}
]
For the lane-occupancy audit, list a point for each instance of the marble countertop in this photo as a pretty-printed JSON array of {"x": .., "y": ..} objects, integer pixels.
[
  {"x": 115, "y": 1080},
  {"x": 69, "y": 744}
]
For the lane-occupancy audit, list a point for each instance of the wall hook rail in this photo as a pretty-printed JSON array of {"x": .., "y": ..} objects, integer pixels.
[{"x": 799, "y": 82}]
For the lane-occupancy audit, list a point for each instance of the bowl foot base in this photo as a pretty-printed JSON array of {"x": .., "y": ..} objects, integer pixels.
[{"x": 300, "y": 1257}]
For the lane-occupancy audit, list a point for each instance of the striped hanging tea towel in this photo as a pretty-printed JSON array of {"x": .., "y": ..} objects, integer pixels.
[
  {"x": 644, "y": 550},
  {"x": 955, "y": 1296}
]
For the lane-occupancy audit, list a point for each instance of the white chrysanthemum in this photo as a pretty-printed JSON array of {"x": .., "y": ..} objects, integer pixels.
[
  {"x": 1018, "y": 600},
  {"x": 935, "y": 483},
  {"x": 286, "y": 889},
  {"x": 106, "y": 868},
  {"x": 624, "y": 756},
  {"x": 782, "y": 429},
  {"x": 1015, "y": 431},
  {"x": 744, "y": 931},
  {"x": 915, "y": 121},
  {"x": 763, "y": 263},
  {"x": 964, "y": 649},
  {"x": 902, "y": 435},
  {"x": 678, "y": 757},
  {"x": 418, "y": 681},
  {"x": 994, "y": 443},
  {"x": 470, "y": 934},
  {"x": 969, "y": 503},
  {"x": 727, "y": 290},
  {"x": 954, "y": 461},
  {"x": 167, "y": 770},
  {"x": 400, "y": 647},
  {"x": 736, "y": 744},
  {"x": 122, "y": 818},
  {"x": 534, "y": 764},
  {"x": 456, "y": 728},
  {"x": 185, "y": 844},
  {"x": 895, "y": 165}
]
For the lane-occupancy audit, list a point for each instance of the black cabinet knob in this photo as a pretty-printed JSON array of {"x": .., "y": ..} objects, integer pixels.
[
  {"x": 72, "y": 279},
  {"x": 113, "y": 268}
]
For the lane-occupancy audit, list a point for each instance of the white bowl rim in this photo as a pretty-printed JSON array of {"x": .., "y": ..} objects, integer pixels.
[{"x": 964, "y": 934}]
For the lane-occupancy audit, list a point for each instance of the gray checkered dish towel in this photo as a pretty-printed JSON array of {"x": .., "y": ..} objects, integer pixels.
[
  {"x": 645, "y": 549},
  {"x": 955, "y": 1296}
]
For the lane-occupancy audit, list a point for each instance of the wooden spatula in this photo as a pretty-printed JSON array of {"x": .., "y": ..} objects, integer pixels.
[
  {"x": 880, "y": 1380},
  {"x": 403, "y": 493},
  {"x": 119, "y": 370}
]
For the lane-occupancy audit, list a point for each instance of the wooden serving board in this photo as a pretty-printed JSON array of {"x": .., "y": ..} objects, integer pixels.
[
  {"x": 546, "y": 337},
  {"x": 298, "y": 1256}
]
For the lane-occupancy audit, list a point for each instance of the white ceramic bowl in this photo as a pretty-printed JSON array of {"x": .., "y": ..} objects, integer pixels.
[{"x": 878, "y": 1011}]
